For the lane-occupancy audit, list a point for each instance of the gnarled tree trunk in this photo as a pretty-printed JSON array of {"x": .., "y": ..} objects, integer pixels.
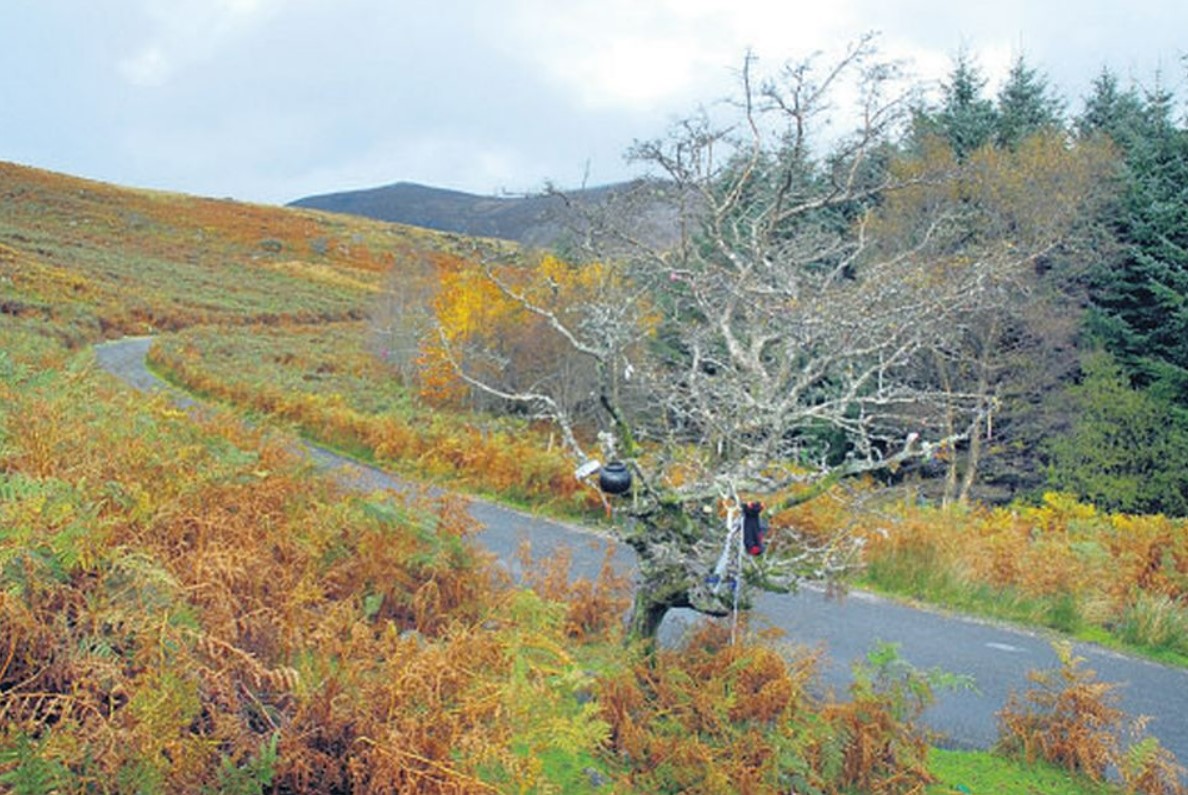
[{"x": 676, "y": 557}]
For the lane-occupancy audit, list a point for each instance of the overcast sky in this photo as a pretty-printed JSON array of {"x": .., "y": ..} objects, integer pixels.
[{"x": 272, "y": 100}]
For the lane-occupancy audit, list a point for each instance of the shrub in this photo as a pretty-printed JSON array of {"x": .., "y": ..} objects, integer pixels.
[
  {"x": 1070, "y": 719},
  {"x": 714, "y": 717}
]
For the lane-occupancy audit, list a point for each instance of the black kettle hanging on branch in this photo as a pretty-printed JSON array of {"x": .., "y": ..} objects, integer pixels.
[{"x": 614, "y": 478}]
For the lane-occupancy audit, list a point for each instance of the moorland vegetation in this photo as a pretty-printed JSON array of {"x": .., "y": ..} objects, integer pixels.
[{"x": 188, "y": 606}]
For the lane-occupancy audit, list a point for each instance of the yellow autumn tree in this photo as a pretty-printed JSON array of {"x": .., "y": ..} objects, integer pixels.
[
  {"x": 466, "y": 309},
  {"x": 501, "y": 325}
]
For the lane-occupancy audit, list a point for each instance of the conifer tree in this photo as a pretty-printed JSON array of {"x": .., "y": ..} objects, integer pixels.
[
  {"x": 1110, "y": 110},
  {"x": 1121, "y": 452},
  {"x": 1026, "y": 105},
  {"x": 1140, "y": 290},
  {"x": 967, "y": 118}
]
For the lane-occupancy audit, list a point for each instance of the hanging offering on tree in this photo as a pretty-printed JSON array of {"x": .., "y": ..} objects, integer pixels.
[{"x": 754, "y": 528}]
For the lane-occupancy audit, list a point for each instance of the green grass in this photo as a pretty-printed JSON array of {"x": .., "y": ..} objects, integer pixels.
[
  {"x": 1060, "y": 614},
  {"x": 985, "y": 773}
]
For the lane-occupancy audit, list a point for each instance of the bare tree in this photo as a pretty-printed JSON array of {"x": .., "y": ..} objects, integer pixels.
[
  {"x": 791, "y": 352},
  {"x": 401, "y": 317},
  {"x": 1024, "y": 216}
]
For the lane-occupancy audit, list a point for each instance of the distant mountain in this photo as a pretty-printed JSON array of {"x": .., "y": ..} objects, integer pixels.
[{"x": 538, "y": 220}]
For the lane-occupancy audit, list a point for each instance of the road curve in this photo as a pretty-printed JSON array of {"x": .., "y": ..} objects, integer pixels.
[{"x": 996, "y": 656}]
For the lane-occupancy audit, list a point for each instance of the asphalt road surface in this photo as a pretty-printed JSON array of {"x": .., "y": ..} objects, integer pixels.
[{"x": 996, "y": 656}]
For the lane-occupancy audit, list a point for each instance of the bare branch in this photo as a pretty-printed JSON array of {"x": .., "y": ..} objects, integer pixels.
[
  {"x": 544, "y": 403},
  {"x": 794, "y": 335}
]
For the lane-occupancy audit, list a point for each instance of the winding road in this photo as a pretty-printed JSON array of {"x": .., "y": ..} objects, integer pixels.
[{"x": 996, "y": 656}]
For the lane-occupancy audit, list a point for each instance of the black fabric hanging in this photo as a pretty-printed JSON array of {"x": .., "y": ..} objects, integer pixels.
[{"x": 754, "y": 528}]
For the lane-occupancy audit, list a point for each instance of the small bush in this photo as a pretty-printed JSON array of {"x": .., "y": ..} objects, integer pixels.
[
  {"x": 718, "y": 717},
  {"x": 1150, "y": 769},
  {"x": 1070, "y": 719},
  {"x": 1066, "y": 718}
]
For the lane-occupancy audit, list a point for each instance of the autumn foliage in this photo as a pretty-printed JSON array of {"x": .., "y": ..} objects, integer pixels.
[
  {"x": 496, "y": 321},
  {"x": 1070, "y": 718},
  {"x": 340, "y": 399},
  {"x": 1080, "y": 567},
  {"x": 187, "y": 607},
  {"x": 719, "y": 717},
  {"x": 184, "y": 604}
]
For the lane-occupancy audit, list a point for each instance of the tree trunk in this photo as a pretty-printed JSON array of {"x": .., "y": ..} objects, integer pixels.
[
  {"x": 646, "y": 617},
  {"x": 674, "y": 565},
  {"x": 661, "y": 591},
  {"x": 974, "y": 459},
  {"x": 942, "y": 369}
]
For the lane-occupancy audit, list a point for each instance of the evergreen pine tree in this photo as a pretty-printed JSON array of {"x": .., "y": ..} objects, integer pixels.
[
  {"x": 967, "y": 119},
  {"x": 1127, "y": 450},
  {"x": 1140, "y": 295},
  {"x": 1111, "y": 111},
  {"x": 1026, "y": 105}
]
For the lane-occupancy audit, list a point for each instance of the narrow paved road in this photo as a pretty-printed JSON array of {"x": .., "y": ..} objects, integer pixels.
[{"x": 996, "y": 656}]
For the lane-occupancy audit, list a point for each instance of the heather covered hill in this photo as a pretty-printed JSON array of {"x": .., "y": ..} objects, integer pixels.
[
  {"x": 92, "y": 260},
  {"x": 537, "y": 220},
  {"x": 186, "y": 607}
]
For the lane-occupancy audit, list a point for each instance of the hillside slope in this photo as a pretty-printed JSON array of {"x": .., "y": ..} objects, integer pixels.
[
  {"x": 89, "y": 260},
  {"x": 538, "y": 220},
  {"x": 509, "y": 218}
]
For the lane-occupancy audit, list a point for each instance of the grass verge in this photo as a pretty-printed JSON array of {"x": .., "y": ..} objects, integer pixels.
[{"x": 986, "y": 773}]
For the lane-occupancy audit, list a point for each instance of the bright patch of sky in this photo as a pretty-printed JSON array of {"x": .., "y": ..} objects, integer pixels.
[{"x": 271, "y": 100}]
